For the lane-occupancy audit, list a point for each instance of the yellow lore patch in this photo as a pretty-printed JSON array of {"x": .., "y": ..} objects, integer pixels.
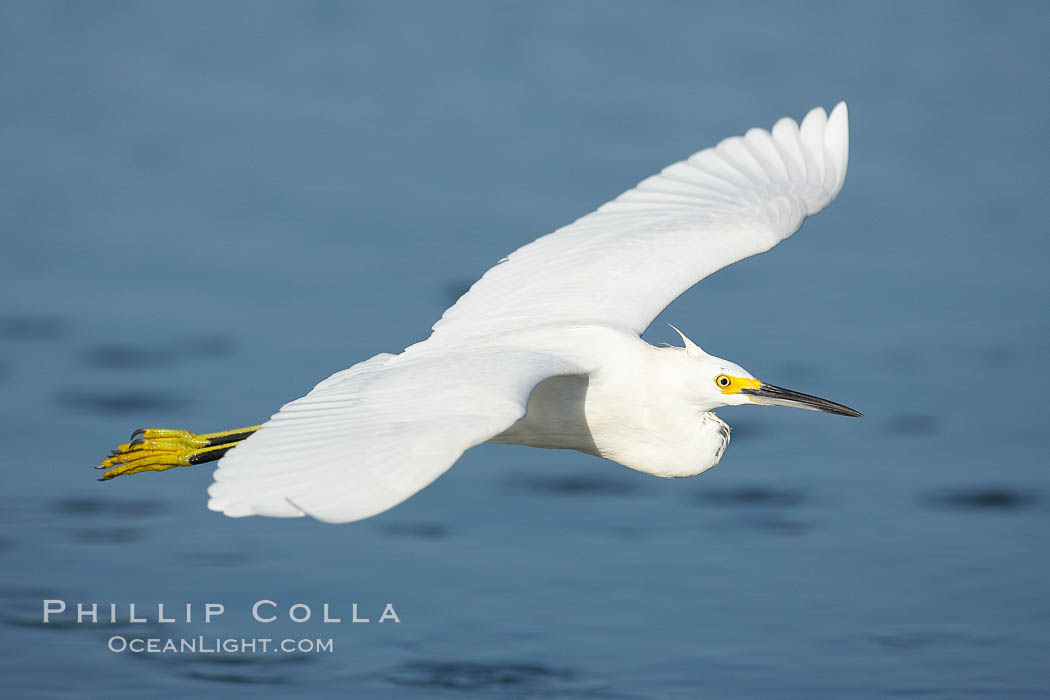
[{"x": 733, "y": 385}]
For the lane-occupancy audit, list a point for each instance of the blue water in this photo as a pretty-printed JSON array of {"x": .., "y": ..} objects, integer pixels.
[{"x": 206, "y": 208}]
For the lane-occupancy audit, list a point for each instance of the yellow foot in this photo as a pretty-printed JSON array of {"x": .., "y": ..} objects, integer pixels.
[{"x": 157, "y": 449}]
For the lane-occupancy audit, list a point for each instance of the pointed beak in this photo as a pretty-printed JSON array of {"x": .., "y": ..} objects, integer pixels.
[{"x": 770, "y": 395}]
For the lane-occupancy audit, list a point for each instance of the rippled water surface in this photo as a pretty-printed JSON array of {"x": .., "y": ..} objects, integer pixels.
[{"x": 206, "y": 208}]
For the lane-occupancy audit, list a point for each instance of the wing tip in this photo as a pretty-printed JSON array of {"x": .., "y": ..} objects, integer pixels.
[
  {"x": 836, "y": 144},
  {"x": 230, "y": 509},
  {"x": 221, "y": 501},
  {"x": 824, "y": 141}
]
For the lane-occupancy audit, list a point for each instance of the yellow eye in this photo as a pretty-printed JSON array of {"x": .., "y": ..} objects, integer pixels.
[{"x": 723, "y": 380}]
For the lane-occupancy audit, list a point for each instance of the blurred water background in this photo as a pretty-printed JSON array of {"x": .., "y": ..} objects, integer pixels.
[{"x": 208, "y": 207}]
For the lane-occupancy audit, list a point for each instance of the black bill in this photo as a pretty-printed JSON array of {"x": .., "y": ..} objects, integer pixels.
[{"x": 771, "y": 395}]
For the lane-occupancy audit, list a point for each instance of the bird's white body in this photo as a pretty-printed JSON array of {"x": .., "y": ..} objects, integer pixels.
[
  {"x": 635, "y": 409},
  {"x": 545, "y": 351}
]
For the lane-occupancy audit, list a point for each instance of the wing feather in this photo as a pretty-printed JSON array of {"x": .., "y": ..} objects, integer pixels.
[
  {"x": 622, "y": 264},
  {"x": 369, "y": 437}
]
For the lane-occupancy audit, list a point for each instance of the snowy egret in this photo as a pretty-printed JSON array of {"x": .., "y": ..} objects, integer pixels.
[{"x": 544, "y": 350}]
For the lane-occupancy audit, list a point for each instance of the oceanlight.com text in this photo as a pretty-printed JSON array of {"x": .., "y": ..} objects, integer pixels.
[{"x": 120, "y": 644}]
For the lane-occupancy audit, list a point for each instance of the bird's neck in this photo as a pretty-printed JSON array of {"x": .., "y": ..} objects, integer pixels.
[{"x": 645, "y": 413}]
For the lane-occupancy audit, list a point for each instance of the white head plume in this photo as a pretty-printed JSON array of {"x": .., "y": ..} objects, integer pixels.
[{"x": 690, "y": 347}]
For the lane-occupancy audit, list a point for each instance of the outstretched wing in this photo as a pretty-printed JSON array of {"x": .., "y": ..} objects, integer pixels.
[
  {"x": 369, "y": 437},
  {"x": 622, "y": 264}
]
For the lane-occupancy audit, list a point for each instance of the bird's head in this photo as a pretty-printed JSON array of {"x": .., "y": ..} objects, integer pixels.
[{"x": 723, "y": 383}]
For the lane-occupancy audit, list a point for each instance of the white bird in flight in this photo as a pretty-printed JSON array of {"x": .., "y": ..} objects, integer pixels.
[{"x": 544, "y": 350}]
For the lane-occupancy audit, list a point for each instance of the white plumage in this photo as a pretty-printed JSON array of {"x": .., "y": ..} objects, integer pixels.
[{"x": 544, "y": 348}]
